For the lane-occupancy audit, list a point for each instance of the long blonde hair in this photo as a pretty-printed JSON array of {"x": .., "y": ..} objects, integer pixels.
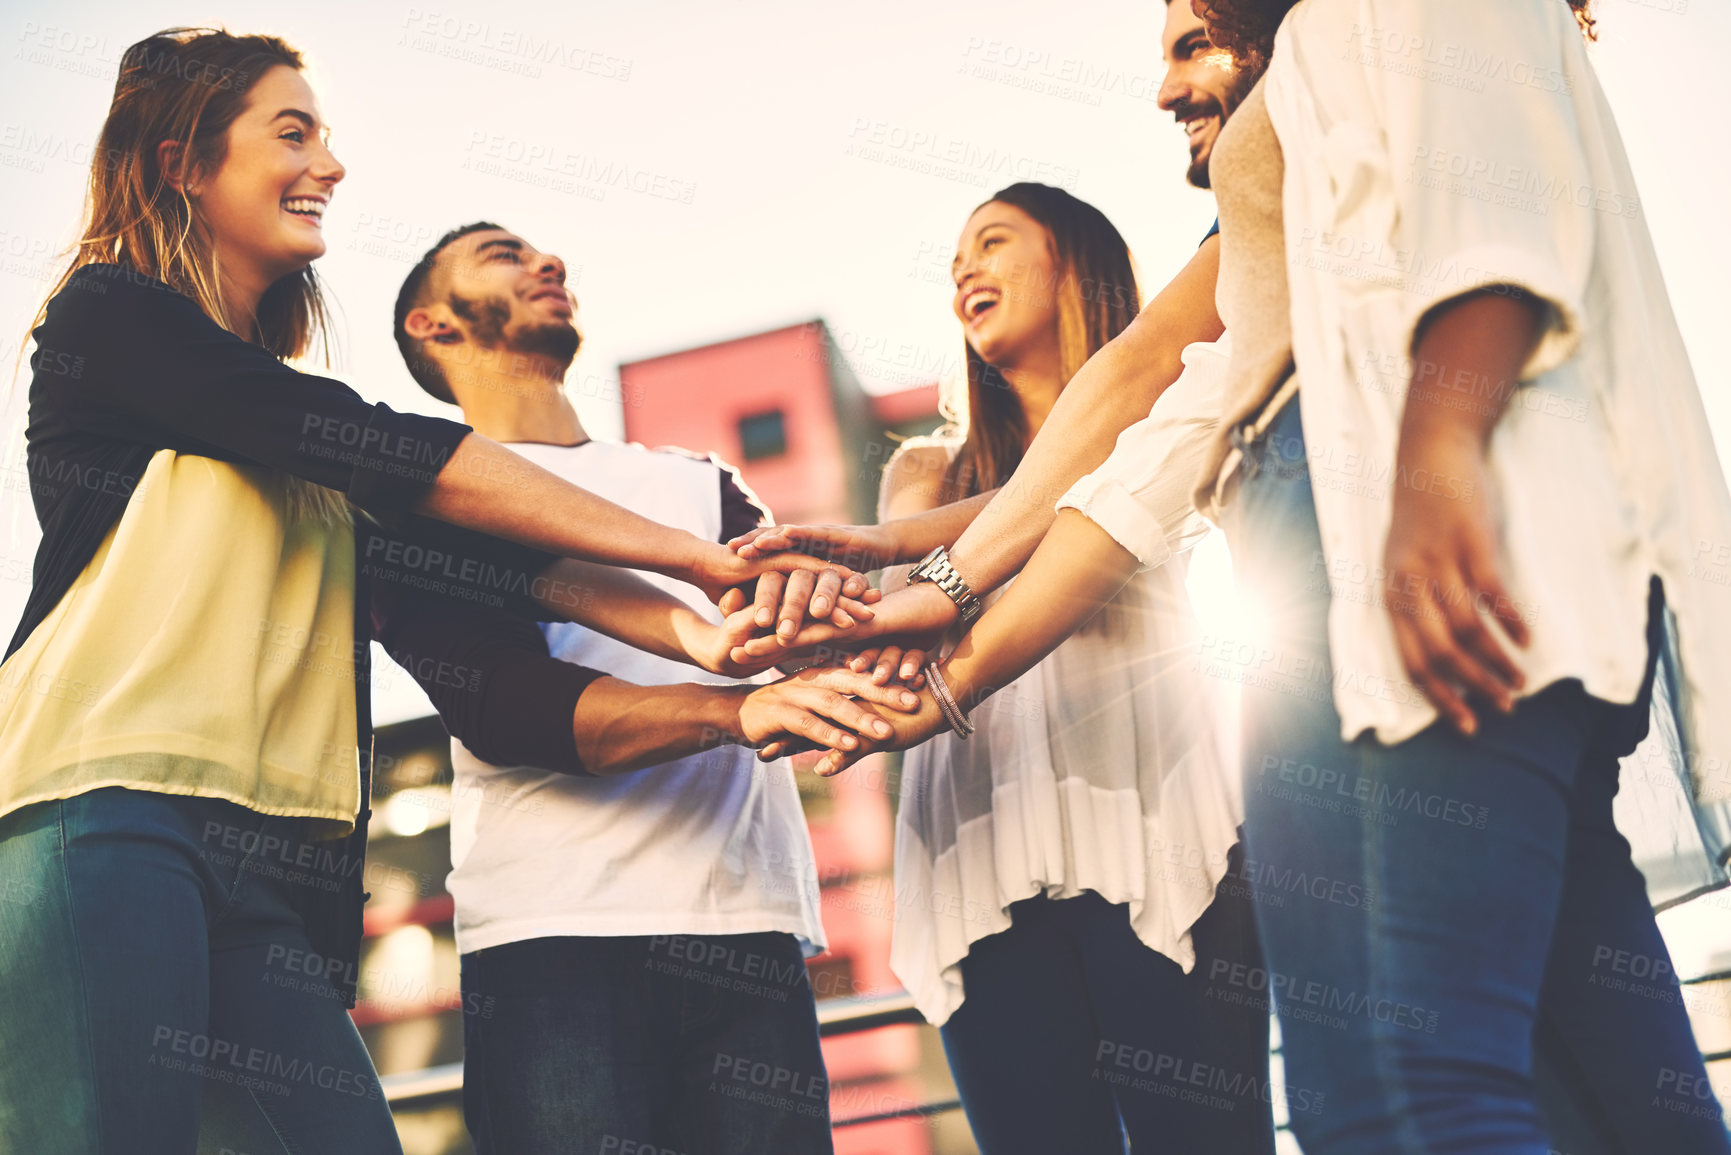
[{"x": 188, "y": 85}]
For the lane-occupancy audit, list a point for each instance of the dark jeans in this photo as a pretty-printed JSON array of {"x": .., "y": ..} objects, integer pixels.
[
  {"x": 1073, "y": 1033},
  {"x": 676, "y": 1043},
  {"x": 1428, "y": 909},
  {"x": 157, "y": 989}
]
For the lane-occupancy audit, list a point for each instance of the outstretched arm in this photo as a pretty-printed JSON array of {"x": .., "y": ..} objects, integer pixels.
[
  {"x": 1115, "y": 389},
  {"x": 1074, "y": 572},
  {"x": 621, "y": 727}
]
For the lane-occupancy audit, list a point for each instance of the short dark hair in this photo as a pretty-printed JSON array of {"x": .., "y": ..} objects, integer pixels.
[{"x": 412, "y": 296}]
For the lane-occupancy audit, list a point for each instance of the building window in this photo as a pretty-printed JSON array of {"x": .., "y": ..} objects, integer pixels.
[{"x": 762, "y": 435}]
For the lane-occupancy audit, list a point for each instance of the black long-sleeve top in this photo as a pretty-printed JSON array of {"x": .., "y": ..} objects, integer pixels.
[{"x": 125, "y": 367}]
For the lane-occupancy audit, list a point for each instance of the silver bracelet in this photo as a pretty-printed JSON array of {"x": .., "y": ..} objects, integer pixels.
[{"x": 947, "y": 703}]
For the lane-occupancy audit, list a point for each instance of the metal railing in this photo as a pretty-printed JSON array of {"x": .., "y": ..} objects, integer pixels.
[{"x": 835, "y": 1017}]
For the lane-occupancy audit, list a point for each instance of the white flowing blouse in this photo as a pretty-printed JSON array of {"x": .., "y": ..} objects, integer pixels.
[{"x": 1111, "y": 766}]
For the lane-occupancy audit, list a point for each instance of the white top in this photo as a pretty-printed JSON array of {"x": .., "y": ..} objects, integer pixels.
[
  {"x": 1110, "y": 767},
  {"x": 715, "y": 843},
  {"x": 1436, "y": 148}
]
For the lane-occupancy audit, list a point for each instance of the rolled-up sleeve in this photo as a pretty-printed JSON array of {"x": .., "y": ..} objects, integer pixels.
[
  {"x": 1466, "y": 153},
  {"x": 1140, "y": 495}
]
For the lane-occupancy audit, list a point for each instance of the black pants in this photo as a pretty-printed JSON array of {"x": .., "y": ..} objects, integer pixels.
[
  {"x": 677, "y": 1043},
  {"x": 1073, "y": 1033}
]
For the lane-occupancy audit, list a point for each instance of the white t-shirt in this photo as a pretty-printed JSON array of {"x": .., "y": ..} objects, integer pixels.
[{"x": 715, "y": 843}]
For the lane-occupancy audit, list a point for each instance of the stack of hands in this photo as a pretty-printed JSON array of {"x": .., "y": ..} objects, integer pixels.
[{"x": 860, "y": 654}]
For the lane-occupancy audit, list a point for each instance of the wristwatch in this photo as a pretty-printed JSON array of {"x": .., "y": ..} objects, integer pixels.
[{"x": 935, "y": 567}]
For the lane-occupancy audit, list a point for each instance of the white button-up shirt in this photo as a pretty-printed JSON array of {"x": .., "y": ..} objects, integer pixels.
[
  {"x": 1433, "y": 149},
  {"x": 1437, "y": 148}
]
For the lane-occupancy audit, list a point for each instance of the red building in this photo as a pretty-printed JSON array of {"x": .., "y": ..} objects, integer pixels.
[{"x": 786, "y": 409}]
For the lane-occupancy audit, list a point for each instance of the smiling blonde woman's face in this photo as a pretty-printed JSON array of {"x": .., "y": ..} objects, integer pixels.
[{"x": 264, "y": 205}]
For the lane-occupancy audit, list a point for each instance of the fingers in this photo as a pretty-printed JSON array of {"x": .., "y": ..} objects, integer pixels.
[
  {"x": 862, "y": 662},
  {"x": 824, "y": 596},
  {"x": 795, "y": 598},
  {"x": 886, "y": 666},
  {"x": 1450, "y": 652},
  {"x": 732, "y": 601},
  {"x": 862, "y": 686},
  {"x": 1488, "y": 579},
  {"x": 913, "y": 670},
  {"x": 769, "y": 587},
  {"x": 831, "y": 719},
  {"x": 835, "y": 762},
  {"x": 760, "y": 543},
  {"x": 848, "y": 611},
  {"x": 746, "y": 538},
  {"x": 1428, "y": 678}
]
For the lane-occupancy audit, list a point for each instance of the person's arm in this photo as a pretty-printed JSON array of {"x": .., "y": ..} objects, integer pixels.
[
  {"x": 1440, "y": 543},
  {"x": 1076, "y": 570},
  {"x": 1117, "y": 387},
  {"x": 621, "y": 727},
  {"x": 1140, "y": 495},
  {"x": 1509, "y": 304},
  {"x": 148, "y": 366},
  {"x": 498, "y": 689},
  {"x": 1131, "y": 513}
]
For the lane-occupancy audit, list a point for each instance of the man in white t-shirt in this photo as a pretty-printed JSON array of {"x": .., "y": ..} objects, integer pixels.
[{"x": 633, "y": 944}]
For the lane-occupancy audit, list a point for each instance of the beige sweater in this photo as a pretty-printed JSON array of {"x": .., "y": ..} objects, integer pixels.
[{"x": 1247, "y": 170}]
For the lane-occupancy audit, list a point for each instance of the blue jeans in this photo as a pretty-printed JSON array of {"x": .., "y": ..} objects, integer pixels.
[
  {"x": 151, "y": 999},
  {"x": 1074, "y": 1033},
  {"x": 1429, "y": 910},
  {"x": 699, "y": 1045}
]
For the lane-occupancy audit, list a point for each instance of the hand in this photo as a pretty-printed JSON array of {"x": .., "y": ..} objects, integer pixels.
[
  {"x": 1444, "y": 546},
  {"x": 822, "y": 591},
  {"x": 814, "y": 707},
  {"x": 859, "y": 547},
  {"x": 892, "y": 661},
  {"x": 909, "y": 729},
  {"x": 916, "y": 615},
  {"x": 788, "y": 601},
  {"x": 720, "y": 649}
]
